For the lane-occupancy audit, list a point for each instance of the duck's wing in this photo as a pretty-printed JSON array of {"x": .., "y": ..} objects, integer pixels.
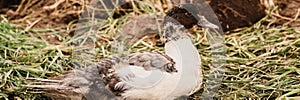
[
  {"x": 145, "y": 70},
  {"x": 106, "y": 79},
  {"x": 152, "y": 60}
]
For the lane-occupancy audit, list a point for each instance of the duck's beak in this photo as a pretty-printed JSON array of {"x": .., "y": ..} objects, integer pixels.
[{"x": 205, "y": 23}]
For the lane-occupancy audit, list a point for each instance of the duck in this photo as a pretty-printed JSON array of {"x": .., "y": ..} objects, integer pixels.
[{"x": 138, "y": 76}]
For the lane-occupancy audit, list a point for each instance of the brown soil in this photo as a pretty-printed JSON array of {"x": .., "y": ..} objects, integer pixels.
[{"x": 289, "y": 11}]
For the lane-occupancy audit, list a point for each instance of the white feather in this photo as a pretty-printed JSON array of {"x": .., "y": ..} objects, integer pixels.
[{"x": 138, "y": 77}]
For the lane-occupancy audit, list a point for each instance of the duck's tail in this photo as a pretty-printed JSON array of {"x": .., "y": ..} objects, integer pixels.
[
  {"x": 54, "y": 88},
  {"x": 69, "y": 90}
]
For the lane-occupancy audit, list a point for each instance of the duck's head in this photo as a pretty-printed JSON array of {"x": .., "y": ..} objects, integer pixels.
[
  {"x": 178, "y": 19},
  {"x": 189, "y": 15}
]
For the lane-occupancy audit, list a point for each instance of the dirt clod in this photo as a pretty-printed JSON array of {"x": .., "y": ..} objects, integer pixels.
[
  {"x": 289, "y": 12},
  {"x": 234, "y": 14}
]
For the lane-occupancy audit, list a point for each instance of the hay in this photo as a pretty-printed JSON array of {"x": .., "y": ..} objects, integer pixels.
[{"x": 263, "y": 61}]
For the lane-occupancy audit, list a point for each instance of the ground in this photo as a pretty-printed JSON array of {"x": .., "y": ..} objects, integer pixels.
[{"x": 262, "y": 43}]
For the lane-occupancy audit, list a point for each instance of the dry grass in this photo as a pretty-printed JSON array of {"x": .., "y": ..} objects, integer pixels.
[{"x": 263, "y": 61}]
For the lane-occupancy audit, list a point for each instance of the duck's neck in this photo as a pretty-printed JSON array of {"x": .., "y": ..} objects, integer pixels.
[
  {"x": 180, "y": 47},
  {"x": 187, "y": 64}
]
